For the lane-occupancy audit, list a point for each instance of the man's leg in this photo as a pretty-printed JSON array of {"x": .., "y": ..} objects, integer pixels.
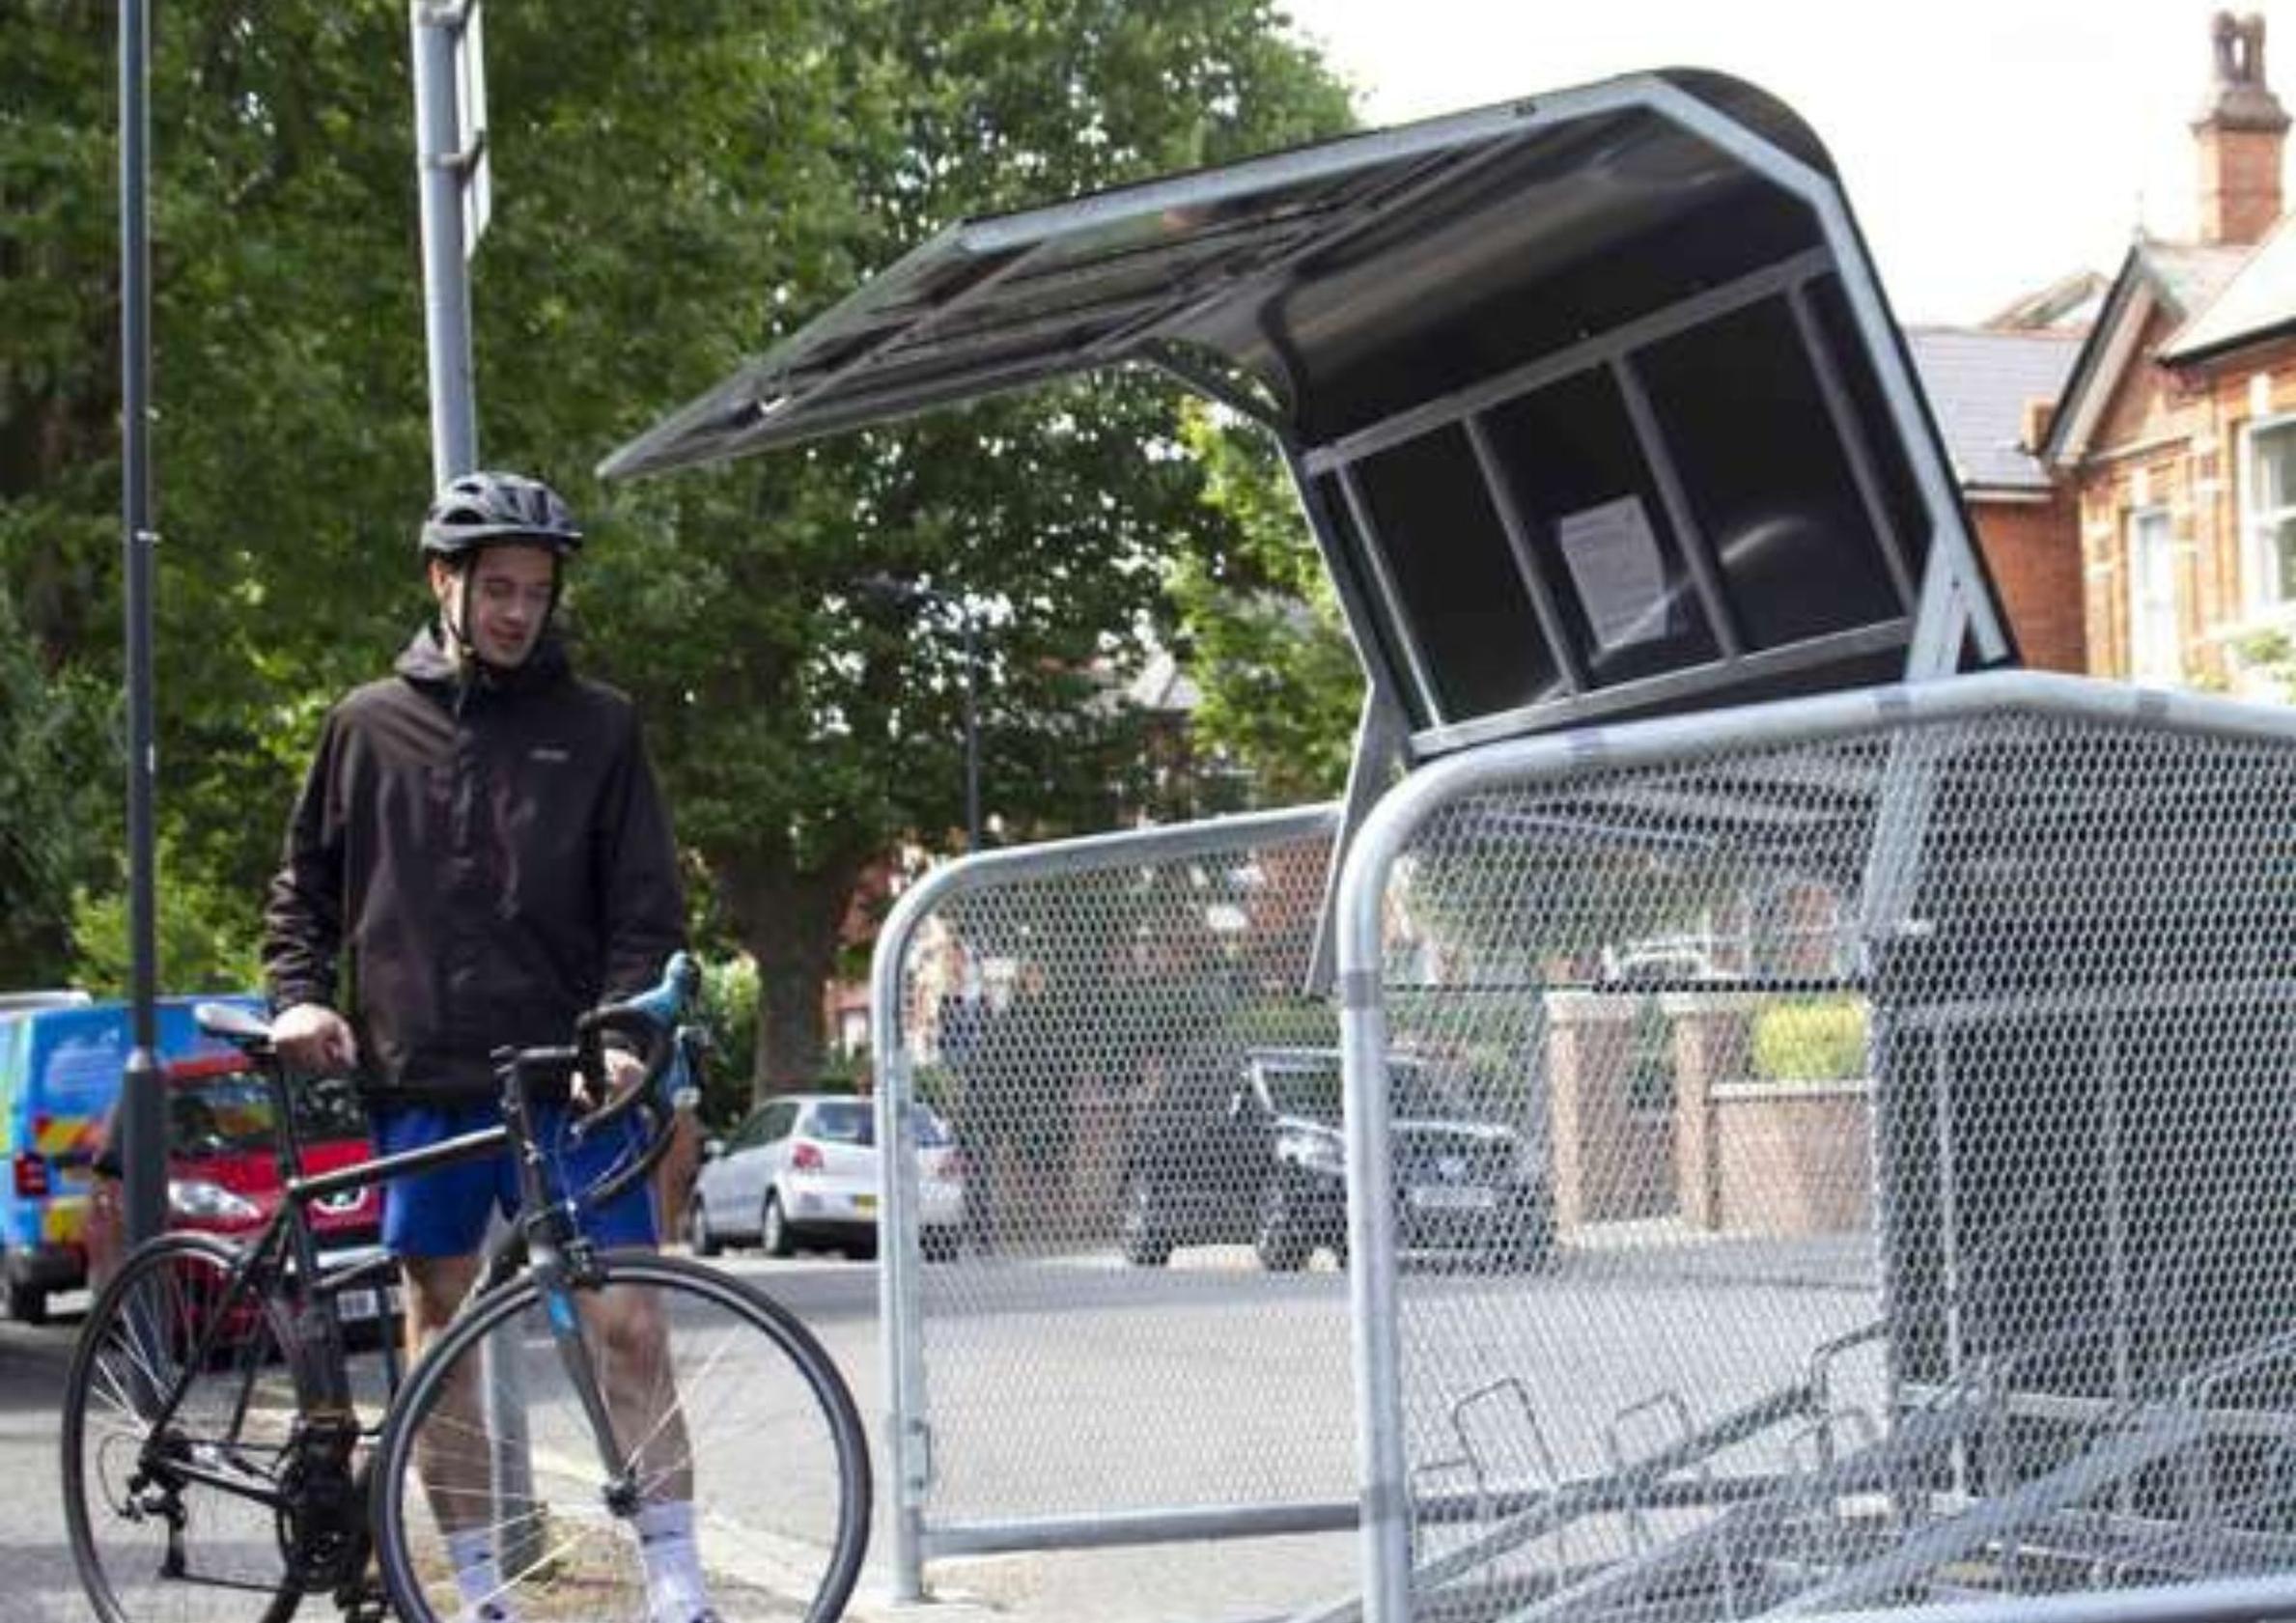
[
  {"x": 433, "y": 1220},
  {"x": 452, "y": 1452},
  {"x": 628, "y": 1338},
  {"x": 629, "y": 1341}
]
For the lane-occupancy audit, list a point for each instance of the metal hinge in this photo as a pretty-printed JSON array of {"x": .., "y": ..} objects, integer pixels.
[{"x": 917, "y": 1459}]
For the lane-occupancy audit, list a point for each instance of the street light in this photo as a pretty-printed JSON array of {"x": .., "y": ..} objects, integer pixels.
[{"x": 968, "y": 624}]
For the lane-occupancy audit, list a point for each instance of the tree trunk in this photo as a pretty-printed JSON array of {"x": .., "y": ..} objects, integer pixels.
[{"x": 791, "y": 923}]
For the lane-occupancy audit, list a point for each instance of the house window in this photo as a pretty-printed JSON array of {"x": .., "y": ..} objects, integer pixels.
[
  {"x": 2154, "y": 654},
  {"x": 2268, "y": 511}
]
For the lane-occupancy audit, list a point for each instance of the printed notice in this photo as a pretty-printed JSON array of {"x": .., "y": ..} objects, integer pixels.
[{"x": 1615, "y": 563}]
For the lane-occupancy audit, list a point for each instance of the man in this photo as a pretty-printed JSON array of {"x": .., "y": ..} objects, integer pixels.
[{"x": 481, "y": 838}]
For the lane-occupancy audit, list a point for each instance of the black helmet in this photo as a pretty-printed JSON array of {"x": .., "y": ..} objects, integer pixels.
[{"x": 479, "y": 509}]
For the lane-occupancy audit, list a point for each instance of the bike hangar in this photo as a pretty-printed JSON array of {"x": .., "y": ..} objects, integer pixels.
[{"x": 1601, "y": 422}]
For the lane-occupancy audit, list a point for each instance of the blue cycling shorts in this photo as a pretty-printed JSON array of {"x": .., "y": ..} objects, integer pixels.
[{"x": 442, "y": 1211}]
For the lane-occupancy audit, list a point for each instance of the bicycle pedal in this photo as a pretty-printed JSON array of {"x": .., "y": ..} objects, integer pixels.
[{"x": 366, "y": 1604}]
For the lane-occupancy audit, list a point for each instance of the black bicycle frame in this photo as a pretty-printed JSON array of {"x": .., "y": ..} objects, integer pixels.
[{"x": 545, "y": 1234}]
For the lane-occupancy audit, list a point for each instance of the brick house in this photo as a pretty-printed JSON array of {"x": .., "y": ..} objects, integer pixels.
[
  {"x": 1991, "y": 389},
  {"x": 2174, "y": 438}
]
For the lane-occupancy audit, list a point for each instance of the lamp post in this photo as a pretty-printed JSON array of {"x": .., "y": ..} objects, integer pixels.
[
  {"x": 145, "y": 1158},
  {"x": 968, "y": 628}
]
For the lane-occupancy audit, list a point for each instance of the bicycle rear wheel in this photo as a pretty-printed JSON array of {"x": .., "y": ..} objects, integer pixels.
[
  {"x": 166, "y": 1519},
  {"x": 744, "y": 1433}
]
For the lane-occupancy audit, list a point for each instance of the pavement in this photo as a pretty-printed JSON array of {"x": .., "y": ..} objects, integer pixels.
[
  {"x": 41, "y": 1586},
  {"x": 1109, "y": 1586},
  {"x": 1131, "y": 1320}
]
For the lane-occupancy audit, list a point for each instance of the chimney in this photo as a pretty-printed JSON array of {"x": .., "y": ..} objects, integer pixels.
[
  {"x": 2036, "y": 420},
  {"x": 2241, "y": 131}
]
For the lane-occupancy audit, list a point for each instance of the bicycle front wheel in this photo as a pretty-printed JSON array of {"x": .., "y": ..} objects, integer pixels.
[
  {"x": 732, "y": 1479},
  {"x": 172, "y": 1512}
]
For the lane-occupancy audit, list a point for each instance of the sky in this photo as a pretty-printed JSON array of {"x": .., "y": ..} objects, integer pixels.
[{"x": 1988, "y": 148}]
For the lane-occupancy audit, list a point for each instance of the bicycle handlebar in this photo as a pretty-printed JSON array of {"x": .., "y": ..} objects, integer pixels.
[
  {"x": 669, "y": 1050},
  {"x": 653, "y": 1018}
]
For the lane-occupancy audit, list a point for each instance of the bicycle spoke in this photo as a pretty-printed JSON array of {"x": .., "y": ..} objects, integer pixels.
[
  {"x": 777, "y": 1531},
  {"x": 171, "y": 1520}
]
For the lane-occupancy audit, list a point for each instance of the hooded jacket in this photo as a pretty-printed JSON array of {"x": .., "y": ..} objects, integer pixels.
[{"x": 485, "y": 857}]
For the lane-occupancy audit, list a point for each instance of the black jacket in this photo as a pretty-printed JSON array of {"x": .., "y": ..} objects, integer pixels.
[{"x": 487, "y": 861}]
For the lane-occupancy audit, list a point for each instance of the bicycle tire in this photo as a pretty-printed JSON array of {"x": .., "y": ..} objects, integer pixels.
[
  {"x": 756, "y": 1411},
  {"x": 234, "y": 1415}
]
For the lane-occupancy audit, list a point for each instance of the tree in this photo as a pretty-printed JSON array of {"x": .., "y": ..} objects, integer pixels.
[
  {"x": 814, "y": 725},
  {"x": 289, "y": 406},
  {"x": 52, "y": 815},
  {"x": 676, "y": 186},
  {"x": 1260, "y": 626}
]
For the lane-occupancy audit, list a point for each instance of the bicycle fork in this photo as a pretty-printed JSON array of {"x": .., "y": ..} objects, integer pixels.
[
  {"x": 560, "y": 1261},
  {"x": 621, "y": 1492}
]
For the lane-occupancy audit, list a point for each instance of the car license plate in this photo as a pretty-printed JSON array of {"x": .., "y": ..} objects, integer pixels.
[
  {"x": 354, "y": 1307},
  {"x": 865, "y": 1204},
  {"x": 1438, "y": 1197}
]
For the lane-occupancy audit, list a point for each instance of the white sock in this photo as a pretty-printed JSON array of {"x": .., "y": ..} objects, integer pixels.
[
  {"x": 478, "y": 1576},
  {"x": 674, "y": 1591}
]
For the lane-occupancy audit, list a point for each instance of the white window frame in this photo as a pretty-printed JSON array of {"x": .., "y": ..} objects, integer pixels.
[
  {"x": 2258, "y": 561},
  {"x": 2156, "y": 650}
]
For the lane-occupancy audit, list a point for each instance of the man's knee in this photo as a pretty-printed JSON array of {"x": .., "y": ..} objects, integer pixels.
[
  {"x": 436, "y": 1287},
  {"x": 628, "y": 1322}
]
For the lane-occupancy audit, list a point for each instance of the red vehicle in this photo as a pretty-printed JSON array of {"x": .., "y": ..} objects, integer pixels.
[{"x": 223, "y": 1173}]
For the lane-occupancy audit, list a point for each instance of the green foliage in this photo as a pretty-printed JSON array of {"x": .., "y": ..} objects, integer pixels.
[
  {"x": 1811, "y": 1040},
  {"x": 2271, "y": 655},
  {"x": 1295, "y": 1023},
  {"x": 59, "y": 777},
  {"x": 1260, "y": 625},
  {"x": 204, "y": 936},
  {"x": 729, "y": 1012}
]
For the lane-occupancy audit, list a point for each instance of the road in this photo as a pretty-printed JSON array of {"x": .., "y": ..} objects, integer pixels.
[{"x": 1076, "y": 1386}]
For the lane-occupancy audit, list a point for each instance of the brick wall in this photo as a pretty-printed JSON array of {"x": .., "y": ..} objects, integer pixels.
[
  {"x": 2033, "y": 552},
  {"x": 2173, "y": 441},
  {"x": 2240, "y": 184}
]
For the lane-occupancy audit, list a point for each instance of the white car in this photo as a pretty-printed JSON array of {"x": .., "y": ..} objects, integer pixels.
[{"x": 802, "y": 1169}]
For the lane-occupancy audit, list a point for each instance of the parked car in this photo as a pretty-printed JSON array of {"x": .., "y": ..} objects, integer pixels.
[
  {"x": 62, "y": 1058},
  {"x": 223, "y": 1172},
  {"x": 802, "y": 1169},
  {"x": 1256, "y": 1155}
]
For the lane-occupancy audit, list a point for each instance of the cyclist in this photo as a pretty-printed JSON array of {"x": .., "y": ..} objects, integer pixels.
[{"x": 481, "y": 838}]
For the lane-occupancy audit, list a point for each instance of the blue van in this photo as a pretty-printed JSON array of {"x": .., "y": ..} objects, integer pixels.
[{"x": 60, "y": 1069}]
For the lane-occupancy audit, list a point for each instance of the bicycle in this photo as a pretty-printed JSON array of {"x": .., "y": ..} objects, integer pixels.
[{"x": 218, "y": 1463}]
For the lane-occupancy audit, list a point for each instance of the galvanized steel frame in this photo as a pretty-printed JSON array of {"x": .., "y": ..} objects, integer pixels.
[
  {"x": 906, "y": 1472},
  {"x": 1554, "y": 760}
]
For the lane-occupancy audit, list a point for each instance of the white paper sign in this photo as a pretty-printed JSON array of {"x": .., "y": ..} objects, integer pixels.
[{"x": 1615, "y": 563}]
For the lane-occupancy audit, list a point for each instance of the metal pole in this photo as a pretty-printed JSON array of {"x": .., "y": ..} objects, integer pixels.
[
  {"x": 446, "y": 277},
  {"x": 439, "y": 178},
  {"x": 145, "y": 1162},
  {"x": 972, "y": 731}
]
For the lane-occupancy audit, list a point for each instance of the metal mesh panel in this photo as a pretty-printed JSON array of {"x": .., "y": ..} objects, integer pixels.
[
  {"x": 1914, "y": 1148},
  {"x": 1099, "y": 1333}
]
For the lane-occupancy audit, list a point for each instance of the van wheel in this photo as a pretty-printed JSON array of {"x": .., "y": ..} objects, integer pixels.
[
  {"x": 773, "y": 1230},
  {"x": 27, "y": 1304}
]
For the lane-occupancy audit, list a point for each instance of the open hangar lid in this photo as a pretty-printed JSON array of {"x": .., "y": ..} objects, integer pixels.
[{"x": 1594, "y": 402}]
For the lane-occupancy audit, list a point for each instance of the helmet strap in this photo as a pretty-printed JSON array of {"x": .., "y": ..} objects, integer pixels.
[{"x": 454, "y": 611}]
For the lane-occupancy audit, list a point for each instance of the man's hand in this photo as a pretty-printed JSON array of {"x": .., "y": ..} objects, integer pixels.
[
  {"x": 624, "y": 1070},
  {"x": 313, "y": 1038}
]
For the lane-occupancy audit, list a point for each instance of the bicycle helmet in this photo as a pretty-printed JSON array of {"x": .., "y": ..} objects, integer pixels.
[{"x": 478, "y": 510}]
